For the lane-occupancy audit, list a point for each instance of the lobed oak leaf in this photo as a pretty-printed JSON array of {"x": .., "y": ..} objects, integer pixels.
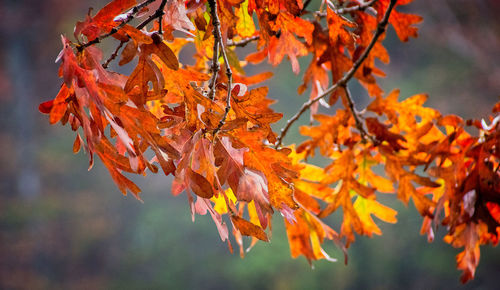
[
  {"x": 287, "y": 43},
  {"x": 403, "y": 23},
  {"x": 366, "y": 207},
  {"x": 383, "y": 134},
  {"x": 467, "y": 236},
  {"x": 260, "y": 158},
  {"x": 145, "y": 72},
  {"x": 337, "y": 29},
  {"x": 254, "y": 106},
  {"x": 332, "y": 132},
  {"x": 306, "y": 235}
]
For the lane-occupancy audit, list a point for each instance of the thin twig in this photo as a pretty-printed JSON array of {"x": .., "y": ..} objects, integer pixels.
[
  {"x": 130, "y": 16},
  {"x": 218, "y": 39},
  {"x": 304, "y": 7},
  {"x": 242, "y": 42},
  {"x": 345, "y": 10},
  {"x": 160, "y": 16},
  {"x": 114, "y": 55},
  {"x": 381, "y": 27},
  {"x": 150, "y": 18},
  {"x": 359, "y": 124}
]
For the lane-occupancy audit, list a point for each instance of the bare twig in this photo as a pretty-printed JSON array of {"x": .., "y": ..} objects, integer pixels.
[
  {"x": 162, "y": 12},
  {"x": 218, "y": 39},
  {"x": 114, "y": 55},
  {"x": 242, "y": 42},
  {"x": 304, "y": 7},
  {"x": 381, "y": 27},
  {"x": 359, "y": 124},
  {"x": 129, "y": 17},
  {"x": 360, "y": 7}
]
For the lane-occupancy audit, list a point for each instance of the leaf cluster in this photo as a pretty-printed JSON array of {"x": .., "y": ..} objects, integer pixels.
[{"x": 212, "y": 131}]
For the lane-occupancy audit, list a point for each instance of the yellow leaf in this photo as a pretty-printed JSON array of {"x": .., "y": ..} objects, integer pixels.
[{"x": 244, "y": 25}]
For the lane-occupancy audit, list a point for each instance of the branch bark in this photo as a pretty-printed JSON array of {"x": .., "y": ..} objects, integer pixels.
[{"x": 219, "y": 43}]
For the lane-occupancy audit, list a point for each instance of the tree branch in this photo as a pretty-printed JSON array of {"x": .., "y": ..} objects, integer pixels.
[
  {"x": 381, "y": 27},
  {"x": 130, "y": 16},
  {"x": 218, "y": 39},
  {"x": 215, "y": 58}
]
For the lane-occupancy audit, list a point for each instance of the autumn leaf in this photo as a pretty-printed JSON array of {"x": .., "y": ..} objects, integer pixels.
[
  {"x": 287, "y": 44},
  {"x": 244, "y": 25},
  {"x": 248, "y": 229}
]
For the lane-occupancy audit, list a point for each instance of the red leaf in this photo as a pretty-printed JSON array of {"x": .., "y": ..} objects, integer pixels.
[{"x": 45, "y": 107}]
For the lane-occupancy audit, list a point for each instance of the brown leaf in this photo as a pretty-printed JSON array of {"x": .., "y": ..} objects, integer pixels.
[
  {"x": 248, "y": 229},
  {"x": 128, "y": 53},
  {"x": 162, "y": 50},
  {"x": 77, "y": 144},
  {"x": 199, "y": 184}
]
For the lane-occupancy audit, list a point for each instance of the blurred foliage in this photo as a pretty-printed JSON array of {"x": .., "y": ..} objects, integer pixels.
[{"x": 77, "y": 232}]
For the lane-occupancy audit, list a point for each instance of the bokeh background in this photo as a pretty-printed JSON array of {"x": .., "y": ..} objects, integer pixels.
[{"x": 62, "y": 227}]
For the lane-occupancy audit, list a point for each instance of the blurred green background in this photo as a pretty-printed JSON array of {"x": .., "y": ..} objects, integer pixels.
[{"x": 62, "y": 227}]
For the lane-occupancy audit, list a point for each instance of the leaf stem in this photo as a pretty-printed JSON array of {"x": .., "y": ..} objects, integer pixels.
[{"x": 381, "y": 27}]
